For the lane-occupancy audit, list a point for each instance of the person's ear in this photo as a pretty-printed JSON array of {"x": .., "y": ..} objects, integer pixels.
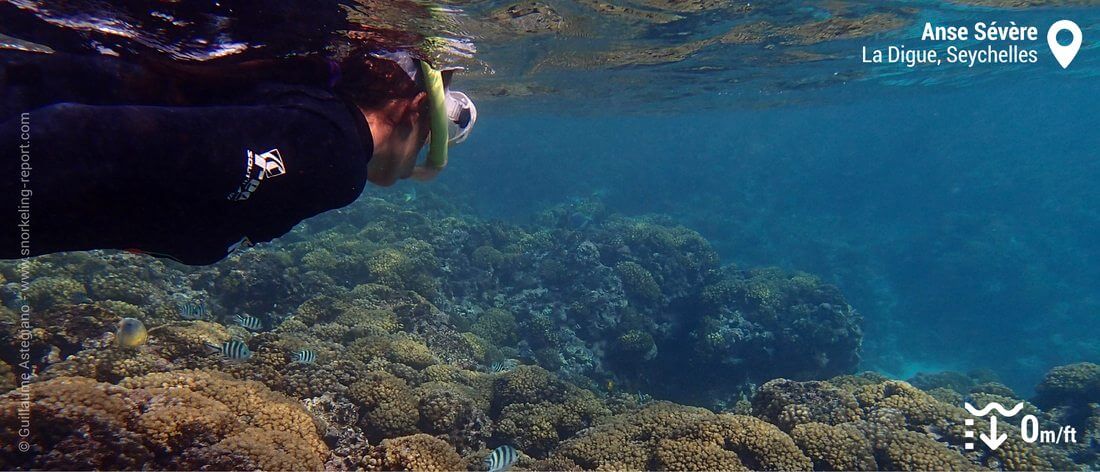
[
  {"x": 418, "y": 106},
  {"x": 421, "y": 101}
]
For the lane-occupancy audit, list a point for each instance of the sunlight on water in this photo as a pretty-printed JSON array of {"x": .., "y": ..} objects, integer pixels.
[{"x": 686, "y": 55}]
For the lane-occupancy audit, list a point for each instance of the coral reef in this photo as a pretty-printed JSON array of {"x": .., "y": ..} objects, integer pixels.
[
  {"x": 555, "y": 293},
  {"x": 439, "y": 337}
]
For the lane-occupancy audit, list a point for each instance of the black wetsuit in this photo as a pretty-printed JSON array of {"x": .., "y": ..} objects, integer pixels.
[{"x": 126, "y": 156}]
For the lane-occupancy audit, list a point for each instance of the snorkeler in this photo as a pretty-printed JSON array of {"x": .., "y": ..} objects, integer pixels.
[{"x": 190, "y": 161}]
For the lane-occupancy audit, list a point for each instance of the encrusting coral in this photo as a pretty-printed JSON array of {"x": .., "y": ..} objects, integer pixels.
[
  {"x": 787, "y": 403},
  {"x": 183, "y": 419},
  {"x": 453, "y": 413},
  {"x": 667, "y": 436},
  {"x": 497, "y": 326},
  {"x": 536, "y": 410},
  {"x": 419, "y": 452},
  {"x": 834, "y": 447},
  {"x": 388, "y": 406},
  {"x": 1069, "y": 384},
  {"x": 908, "y": 450}
]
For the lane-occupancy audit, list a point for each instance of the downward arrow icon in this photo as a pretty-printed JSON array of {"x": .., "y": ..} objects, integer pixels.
[{"x": 988, "y": 440}]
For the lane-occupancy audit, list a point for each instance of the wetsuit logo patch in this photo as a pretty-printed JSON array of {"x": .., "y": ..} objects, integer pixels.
[{"x": 258, "y": 167}]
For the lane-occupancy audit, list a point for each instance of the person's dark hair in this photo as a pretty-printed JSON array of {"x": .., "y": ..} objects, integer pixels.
[{"x": 371, "y": 81}]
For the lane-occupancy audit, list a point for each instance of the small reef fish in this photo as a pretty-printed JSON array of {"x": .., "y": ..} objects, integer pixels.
[
  {"x": 410, "y": 196},
  {"x": 501, "y": 458},
  {"x": 192, "y": 310},
  {"x": 250, "y": 323},
  {"x": 499, "y": 367},
  {"x": 52, "y": 357},
  {"x": 233, "y": 349},
  {"x": 643, "y": 398},
  {"x": 131, "y": 333},
  {"x": 305, "y": 356}
]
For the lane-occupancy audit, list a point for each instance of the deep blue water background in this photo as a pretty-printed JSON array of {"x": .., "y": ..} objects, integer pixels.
[{"x": 961, "y": 221}]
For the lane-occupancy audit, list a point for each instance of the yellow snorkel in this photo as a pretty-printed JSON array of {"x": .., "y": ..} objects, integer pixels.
[{"x": 437, "y": 110}]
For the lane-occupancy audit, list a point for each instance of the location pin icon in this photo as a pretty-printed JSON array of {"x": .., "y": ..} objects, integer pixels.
[{"x": 1064, "y": 54}]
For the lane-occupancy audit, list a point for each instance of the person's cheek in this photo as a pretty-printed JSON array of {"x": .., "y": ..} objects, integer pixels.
[{"x": 409, "y": 163}]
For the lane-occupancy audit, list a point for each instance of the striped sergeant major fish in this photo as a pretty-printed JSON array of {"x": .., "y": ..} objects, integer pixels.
[
  {"x": 192, "y": 310},
  {"x": 501, "y": 458},
  {"x": 232, "y": 349},
  {"x": 505, "y": 365},
  {"x": 305, "y": 356},
  {"x": 250, "y": 323}
]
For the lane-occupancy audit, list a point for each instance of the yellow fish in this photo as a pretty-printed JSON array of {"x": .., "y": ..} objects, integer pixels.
[{"x": 131, "y": 333}]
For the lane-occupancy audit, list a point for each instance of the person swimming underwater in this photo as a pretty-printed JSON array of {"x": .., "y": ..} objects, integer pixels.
[{"x": 190, "y": 161}]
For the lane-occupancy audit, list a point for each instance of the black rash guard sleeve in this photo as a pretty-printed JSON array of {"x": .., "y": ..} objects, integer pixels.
[{"x": 184, "y": 182}]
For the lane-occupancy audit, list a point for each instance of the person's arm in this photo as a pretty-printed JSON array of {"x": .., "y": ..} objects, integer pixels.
[
  {"x": 183, "y": 180},
  {"x": 198, "y": 152}
]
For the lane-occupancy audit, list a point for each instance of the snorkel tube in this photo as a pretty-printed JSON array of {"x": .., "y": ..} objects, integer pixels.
[{"x": 437, "y": 110}]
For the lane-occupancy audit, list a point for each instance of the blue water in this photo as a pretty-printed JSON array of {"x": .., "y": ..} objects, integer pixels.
[{"x": 960, "y": 221}]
